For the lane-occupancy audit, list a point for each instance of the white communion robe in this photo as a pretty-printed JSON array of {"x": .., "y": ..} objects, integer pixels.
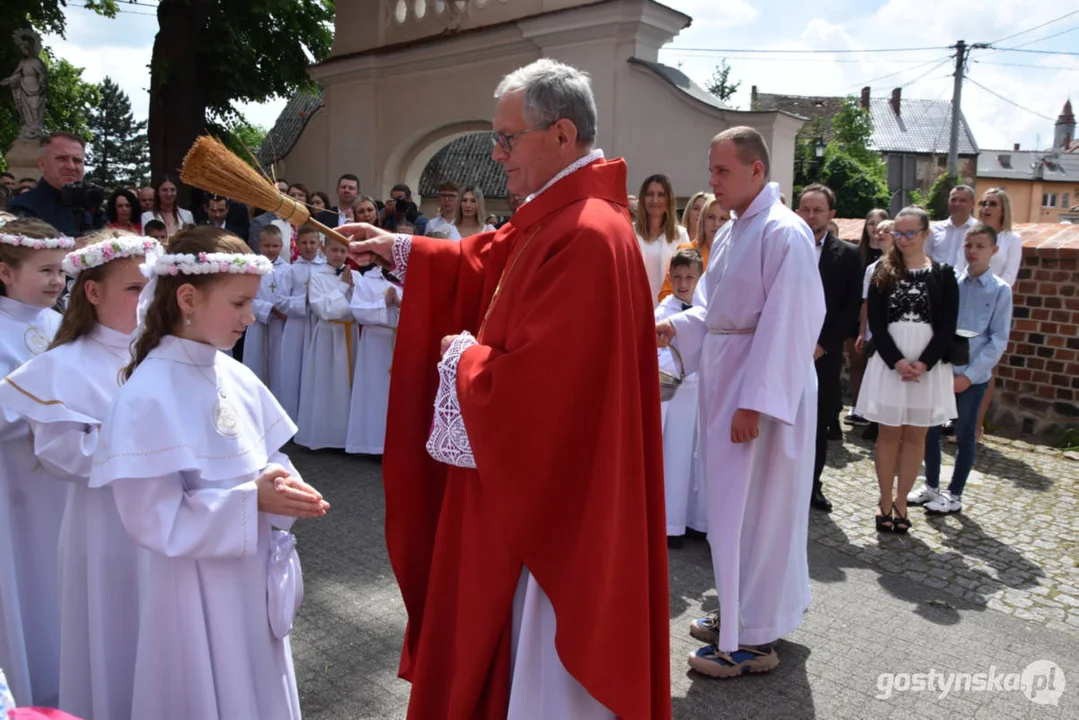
[
  {"x": 262, "y": 346},
  {"x": 683, "y": 490},
  {"x": 327, "y": 373},
  {"x": 754, "y": 347},
  {"x": 181, "y": 447},
  {"x": 371, "y": 379},
  {"x": 296, "y": 337},
  {"x": 99, "y": 590},
  {"x": 31, "y": 509}
]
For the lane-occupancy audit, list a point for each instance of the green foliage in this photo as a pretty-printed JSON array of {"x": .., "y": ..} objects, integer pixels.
[
  {"x": 807, "y": 165},
  {"x": 241, "y": 137},
  {"x": 71, "y": 99},
  {"x": 937, "y": 202},
  {"x": 852, "y": 130},
  {"x": 1068, "y": 438},
  {"x": 118, "y": 151},
  {"x": 720, "y": 84},
  {"x": 917, "y": 198},
  {"x": 858, "y": 189}
]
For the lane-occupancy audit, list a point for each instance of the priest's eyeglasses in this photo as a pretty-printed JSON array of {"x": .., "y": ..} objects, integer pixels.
[{"x": 504, "y": 141}]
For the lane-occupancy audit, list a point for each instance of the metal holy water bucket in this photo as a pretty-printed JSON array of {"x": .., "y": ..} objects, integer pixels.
[{"x": 668, "y": 383}]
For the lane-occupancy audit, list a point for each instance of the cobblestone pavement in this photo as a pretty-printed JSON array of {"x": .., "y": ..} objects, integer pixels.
[{"x": 988, "y": 591}]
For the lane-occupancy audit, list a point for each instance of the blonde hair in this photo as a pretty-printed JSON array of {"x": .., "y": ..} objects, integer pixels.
[
  {"x": 670, "y": 215},
  {"x": 481, "y": 207},
  {"x": 80, "y": 316},
  {"x": 698, "y": 233},
  {"x": 1005, "y": 206},
  {"x": 164, "y": 313},
  {"x": 689, "y": 208}
]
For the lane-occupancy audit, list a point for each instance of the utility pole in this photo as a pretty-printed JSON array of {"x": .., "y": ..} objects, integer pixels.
[{"x": 961, "y": 53}]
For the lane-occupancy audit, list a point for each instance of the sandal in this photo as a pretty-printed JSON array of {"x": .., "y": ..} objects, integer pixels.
[
  {"x": 711, "y": 661},
  {"x": 884, "y": 520},
  {"x": 901, "y": 523}
]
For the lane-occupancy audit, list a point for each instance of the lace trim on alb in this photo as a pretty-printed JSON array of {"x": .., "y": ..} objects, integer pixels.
[{"x": 448, "y": 442}]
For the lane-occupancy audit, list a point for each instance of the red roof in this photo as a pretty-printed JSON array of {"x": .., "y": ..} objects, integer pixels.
[{"x": 1060, "y": 239}]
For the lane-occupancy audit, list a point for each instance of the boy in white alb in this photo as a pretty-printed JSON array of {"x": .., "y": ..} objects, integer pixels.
[
  {"x": 296, "y": 337},
  {"x": 680, "y": 471},
  {"x": 262, "y": 345},
  {"x": 376, "y": 305},
  {"x": 327, "y": 374}
]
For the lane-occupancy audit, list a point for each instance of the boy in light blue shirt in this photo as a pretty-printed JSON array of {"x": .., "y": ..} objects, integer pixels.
[{"x": 985, "y": 315}]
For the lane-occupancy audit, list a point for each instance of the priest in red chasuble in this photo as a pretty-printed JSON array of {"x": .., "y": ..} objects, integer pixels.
[{"x": 523, "y": 468}]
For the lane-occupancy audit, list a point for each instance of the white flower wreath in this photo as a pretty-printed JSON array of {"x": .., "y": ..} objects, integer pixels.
[
  {"x": 210, "y": 263},
  {"x": 56, "y": 243},
  {"x": 99, "y": 253}
]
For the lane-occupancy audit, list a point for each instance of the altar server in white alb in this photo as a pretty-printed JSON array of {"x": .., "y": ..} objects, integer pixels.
[
  {"x": 31, "y": 501},
  {"x": 262, "y": 345},
  {"x": 296, "y": 338},
  {"x": 754, "y": 346},
  {"x": 376, "y": 305},
  {"x": 327, "y": 374},
  {"x": 191, "y": 448},
  {"x": 63, "y": 396},
  {"x": 683, "y": 495}
]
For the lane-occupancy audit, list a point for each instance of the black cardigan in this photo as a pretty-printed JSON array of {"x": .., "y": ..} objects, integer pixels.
[{"x": 943, "y": 314}]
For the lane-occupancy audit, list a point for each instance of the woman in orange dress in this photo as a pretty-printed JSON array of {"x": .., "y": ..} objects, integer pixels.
[{"x": 712, "y": 218}]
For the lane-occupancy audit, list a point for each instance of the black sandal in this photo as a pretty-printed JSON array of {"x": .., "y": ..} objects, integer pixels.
[
  {"x": 901, "y": 524},
  {"x": 884, "y": 520}
]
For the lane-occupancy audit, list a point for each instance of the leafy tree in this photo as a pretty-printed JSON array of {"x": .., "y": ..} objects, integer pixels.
[
  {"x": 720, "y": 83},
  {"x": 118, "y": 150},
  {"x": 852, "y": 132},
  {"x": 209, "y": 54},
  {"x": 937, "y": 202},
  {"x": 857, "y": 188},
  {"x": 241, "y": 137}
]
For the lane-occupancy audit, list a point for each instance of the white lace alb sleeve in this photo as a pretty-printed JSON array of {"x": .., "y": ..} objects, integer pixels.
[
  {"x": 448, "y": 441},
  {"x": 402, "y": 246}
]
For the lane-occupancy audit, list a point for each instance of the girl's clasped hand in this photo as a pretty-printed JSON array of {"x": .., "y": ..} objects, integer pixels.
[{"x": 282, "y": 494}]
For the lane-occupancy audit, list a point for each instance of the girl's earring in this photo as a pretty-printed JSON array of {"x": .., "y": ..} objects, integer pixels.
[{"x": 187, "y": 321}]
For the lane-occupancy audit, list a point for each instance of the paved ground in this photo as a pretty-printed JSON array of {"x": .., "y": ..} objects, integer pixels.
[{"x": 991, "y": 591}]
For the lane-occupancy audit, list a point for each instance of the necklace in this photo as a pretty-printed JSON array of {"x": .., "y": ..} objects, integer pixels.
[
  {"x": 34, "y": 338},
  {"x": 223, "y": 417}
]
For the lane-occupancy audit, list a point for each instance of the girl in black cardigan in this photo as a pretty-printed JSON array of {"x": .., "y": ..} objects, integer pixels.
[{"x": 912, "y": 308}]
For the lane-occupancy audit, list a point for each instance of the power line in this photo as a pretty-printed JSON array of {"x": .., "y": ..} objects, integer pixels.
[
  {"x": 677, "y": 52},
  {"x": 121, "y": 9},
  {"x": 1021, "y": 65},
  {"x": 811, "y": 52},
  {"x": 1036, "y": 27},
  {"x": 972, "y": 81},
  {"x": 1040, "y": 52},
  {"x": 938, "y": 62}
]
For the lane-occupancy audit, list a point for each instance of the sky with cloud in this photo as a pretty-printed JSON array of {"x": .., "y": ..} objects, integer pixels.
[{"x": 1037, "y": 82}]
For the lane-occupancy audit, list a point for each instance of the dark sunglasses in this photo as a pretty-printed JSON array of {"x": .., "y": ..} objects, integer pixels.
[{"x": 989, "y": 203}]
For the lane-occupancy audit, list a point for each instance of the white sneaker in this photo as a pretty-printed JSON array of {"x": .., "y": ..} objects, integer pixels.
[
  {"x": 923, "y": 495},
  {"x": 945, "y": 504}
]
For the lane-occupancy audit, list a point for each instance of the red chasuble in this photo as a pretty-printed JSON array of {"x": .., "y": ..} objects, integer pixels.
[{"x": 561, "y": 404}]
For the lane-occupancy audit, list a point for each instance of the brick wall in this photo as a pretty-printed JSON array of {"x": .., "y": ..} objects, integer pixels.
[{"x": 1038, "y": 379}]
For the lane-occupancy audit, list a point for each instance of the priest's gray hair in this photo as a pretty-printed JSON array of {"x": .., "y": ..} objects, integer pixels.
[{"x": 552, "y": 92}]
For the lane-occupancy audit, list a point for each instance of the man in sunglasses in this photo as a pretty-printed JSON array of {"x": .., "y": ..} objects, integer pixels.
[
  {"x": 545, "y": 501},
  {"x": 946, "y": 238}
]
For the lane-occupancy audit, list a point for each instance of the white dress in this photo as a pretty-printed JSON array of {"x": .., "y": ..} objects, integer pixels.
[
  {"x": 327, "y": 374},
  {"x": 884, "y": 397},
  {"x": 99, "y": 601},
  {"x": 371, "y": 379},
  {"x": 753, "y": 345},
  {"x": 657, "y": 257},
  {"x": 181, "y": 447},
  {"x": 296, "y": 337},
  {"x": 262, "y": 345},
  {"x": 683, "y": 492},
  {"x": 31, "y": 508}
]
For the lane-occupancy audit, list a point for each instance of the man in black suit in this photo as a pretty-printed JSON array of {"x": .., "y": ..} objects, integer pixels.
[
  {"x": 840, "y": 271},
  {"x": 348, "y": 191},
  {"x": 217, "y": 212}
]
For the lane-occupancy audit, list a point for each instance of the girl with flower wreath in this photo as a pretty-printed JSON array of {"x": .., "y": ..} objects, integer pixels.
[
  {"x": 191, "y": 448},
  {"x": 31, "y": 502},
  {"x": 62, "y": 395}
]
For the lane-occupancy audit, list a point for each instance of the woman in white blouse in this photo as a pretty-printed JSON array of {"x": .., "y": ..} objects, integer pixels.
[
  {"x": 995, "y": 210},
  {"x": 658, "y": 231},
  {"x": 165, "y": 210},
  {"x": 691, "y": 214},
  {"x": 471, "y": 212}
]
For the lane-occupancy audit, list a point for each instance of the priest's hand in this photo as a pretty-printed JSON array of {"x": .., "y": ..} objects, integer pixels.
[
  {"x": 745, "y": 426},
  {"x": 818, "y": 353},
  {"x": 281, "y": 494},
  {"x": 369, "y": 245},
  {"x": 446, "y": 342},
  {"x": 664, "y": 333}
]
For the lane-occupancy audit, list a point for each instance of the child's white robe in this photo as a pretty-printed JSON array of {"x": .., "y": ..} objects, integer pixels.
[
  {"x": 181, "y": 448},
  {"x": 99, "y": 591},
  {"x": 327, "y": 374},
  {"x": 371, "y": 379},
  {"x": 262, "y": 345},
  {"x": 296, "y": 337}
]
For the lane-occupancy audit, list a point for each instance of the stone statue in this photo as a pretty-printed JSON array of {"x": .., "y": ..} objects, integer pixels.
[{"x": 29, "y": 84}]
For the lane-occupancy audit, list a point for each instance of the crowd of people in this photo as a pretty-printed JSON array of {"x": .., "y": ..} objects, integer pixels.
[{"x": 161, "y": 579}]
